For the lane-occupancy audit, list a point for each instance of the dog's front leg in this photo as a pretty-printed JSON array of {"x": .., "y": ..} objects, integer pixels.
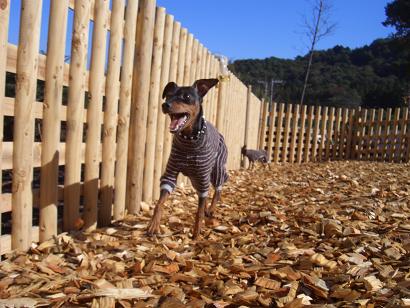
[
  {"x": 200, "y": 214},
  {"x": 153, "y": 227}
]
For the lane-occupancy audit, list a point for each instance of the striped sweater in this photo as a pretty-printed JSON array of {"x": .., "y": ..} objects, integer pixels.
[{"x": 202, "y": 159}]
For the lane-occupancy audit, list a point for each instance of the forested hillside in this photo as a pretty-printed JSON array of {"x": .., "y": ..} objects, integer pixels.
[{"x": 377, "y": 75}]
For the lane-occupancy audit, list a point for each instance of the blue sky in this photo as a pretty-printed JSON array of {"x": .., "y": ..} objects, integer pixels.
[
  {"x": 264, "y": 28},
  {"x": 243, "y": 29}
]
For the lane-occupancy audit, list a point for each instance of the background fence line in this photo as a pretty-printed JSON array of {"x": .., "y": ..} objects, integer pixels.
[
  {"x": 90, "y": 141},
  {"x": 321, "y": 133}
]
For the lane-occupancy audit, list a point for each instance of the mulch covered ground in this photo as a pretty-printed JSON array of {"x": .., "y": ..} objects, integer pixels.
[{"x": 293, "y": 236}]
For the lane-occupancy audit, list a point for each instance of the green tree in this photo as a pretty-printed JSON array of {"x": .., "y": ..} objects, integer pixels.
[{"x": 398, "y": 16}]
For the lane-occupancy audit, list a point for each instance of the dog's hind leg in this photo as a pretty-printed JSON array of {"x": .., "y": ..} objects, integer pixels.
[
  {"x": 209, "y": 212},
  {"x": 200, "y": 215}
]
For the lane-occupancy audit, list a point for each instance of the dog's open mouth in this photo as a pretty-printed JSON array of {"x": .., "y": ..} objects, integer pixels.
[{"x": 178, "y": 120}]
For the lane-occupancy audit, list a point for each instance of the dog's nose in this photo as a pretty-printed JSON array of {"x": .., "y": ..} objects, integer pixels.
[{"x": 166, "y": 106}]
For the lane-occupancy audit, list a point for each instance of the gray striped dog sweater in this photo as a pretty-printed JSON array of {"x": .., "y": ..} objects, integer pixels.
[{"x": 202, "y": 159}]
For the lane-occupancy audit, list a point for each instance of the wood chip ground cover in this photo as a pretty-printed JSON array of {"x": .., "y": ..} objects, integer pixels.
[{"x": 318, "y": 235}]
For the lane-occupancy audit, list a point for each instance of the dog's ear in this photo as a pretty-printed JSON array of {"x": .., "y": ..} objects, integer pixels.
[
  {"x": 169, "y": 89},
  {"x": 204, "y": 85}
]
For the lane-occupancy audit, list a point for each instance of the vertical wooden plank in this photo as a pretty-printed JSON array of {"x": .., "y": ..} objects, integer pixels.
[
  {"x": 386, "y": 132},
  {"x": 124, "y": 109},
  {"x": 194, "y": 62},
  {"x": 323, "y": 121},
  {"x": 370, "y": 134},
  {"x": 295, "y": 119},
  {"x": 301, "y": 134},
  {"x": 378, "y": 140},
  {"x": 112, "y": 89},
  {"x": 329, "y": 133},
  {"x": 140, "y": 93},
  {"x": 23, "y": 133},
  {"x": 187, "y": 60},
  {"x": 400, "y": 152},
  {"x": 342, "y": 143},
  {"x": 393, "y": 135},
  {"x": 246, "y": 139},
  {"x": 4, "y": 28},
  {"x": 361, "y": 133},
  {"x": 93, "y": 137},
  {"x": 75, "y": 111},
  {"x": 349, "y": 147},
  {"x": 336, "y": 138},
  {"x": 272, "y": 118},
  {"x": 51, "y": 119},
  {"x": 308, "y": 135},
  {"x": 406, "y": 139},
  {"x": 154, "y": 90},
  {"x": 286, "y": 133},
  {"x": 262, "y": 125},
  {"x": 315, "y": 133},
  {"x": 159, "y": 142},
  {"x": 278, "y": 142},
  {"x": 173, "y": 69}
]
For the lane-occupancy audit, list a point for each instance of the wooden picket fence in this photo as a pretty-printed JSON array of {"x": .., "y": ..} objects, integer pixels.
[
  {"x": 99, "y": 128},
  {"x": 295, "y": 134}
]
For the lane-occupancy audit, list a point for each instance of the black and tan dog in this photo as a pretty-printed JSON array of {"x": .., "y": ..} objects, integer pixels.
[{"x": 198, "y": 150}]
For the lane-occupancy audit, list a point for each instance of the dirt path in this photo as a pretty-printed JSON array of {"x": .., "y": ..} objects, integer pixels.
[{"x": 336, "y": 233}]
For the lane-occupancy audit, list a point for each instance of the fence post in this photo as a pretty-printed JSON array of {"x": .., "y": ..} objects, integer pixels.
[
  {"x": 247, "y": 122},
  {"x": 173, "y": 70},
  {"x": 51, "y": 119},
  {"x": 140, "y": 93},
  {"x": 278, "y": 133},
  {"x": 75, "y": 115},
  {"x": 402, "y": 135},
  {"x": 308, "y": 134},
  {"x": 93, "y": 137},
  {"x": 124, "y": 109},
  {"x": 26, "y": 85},
  {"x": 112, "y": 89},
  {"x": 294, "y": 129},
  {"x": 272, "y": 116},
  {"x": 153, "y": 102},
  {"x": 4, "y": 27},
  {"x": 262, "y": 132},
  {"x": 299, "y": 151},
  {"x": 161, "y": 128}
]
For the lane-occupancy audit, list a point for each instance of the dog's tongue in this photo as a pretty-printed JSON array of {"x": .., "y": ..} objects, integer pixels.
[{"x": 177, "y": 123}]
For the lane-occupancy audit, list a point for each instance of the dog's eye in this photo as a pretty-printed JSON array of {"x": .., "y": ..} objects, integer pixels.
[{"x": 187, "y": 98}]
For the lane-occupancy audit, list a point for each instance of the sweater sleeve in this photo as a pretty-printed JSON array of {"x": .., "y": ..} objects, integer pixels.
[{"x": 169, "y": 178}]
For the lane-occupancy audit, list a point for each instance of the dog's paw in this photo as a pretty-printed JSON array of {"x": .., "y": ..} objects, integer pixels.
[{"x": 153, "y": 228}]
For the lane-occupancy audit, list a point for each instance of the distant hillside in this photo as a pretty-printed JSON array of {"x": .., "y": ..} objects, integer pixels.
[{"x": 375, "y": 76}]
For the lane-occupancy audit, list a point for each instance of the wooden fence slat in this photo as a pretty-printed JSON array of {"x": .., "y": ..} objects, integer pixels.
[
  {"x": 156, "y": 67},
  {"x": 323, "y": 120},
  {"x": 393, "y": 135},
  {"x": 294, "y": 131},
  {"x": 301, "y": 134},
  {"x": 361, "y": 135},
  {"x": 286, "y": 133},
  {"x": 352, "y": 124},
  {"x": 407, "y": 139},
  {"x": 336, "y": 138},
  {"x": 370, "y": 133},
  {"x": 92, "y": 163},
  {"x": 26, "y": 85},
  {"x": 315, "y": 133},
  {"x": 4, "y": 28},
  {"x": 343, "y": 131},
  {"x": 112, "y": 89},
  {"x": 140, "y": 95},
  {"x": 378, "y": 141},
  {"x": 161, "y": 128},
  {"x": 124, "y": 109},
  {"x": 308, "y": 134},
  {"x": 272, "y": 118},
  {"x": 51, "y": 121},
  {"x": 402, "y": 134},
  {"x": 173, "y": 70},
  {"x": 75, "y": 115},
  {"x": 278, "y": 132},
  {"x": 386, "y": 133},
  {"x": 329, "y": 133},
  {"x": 262, "y": 131}
]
